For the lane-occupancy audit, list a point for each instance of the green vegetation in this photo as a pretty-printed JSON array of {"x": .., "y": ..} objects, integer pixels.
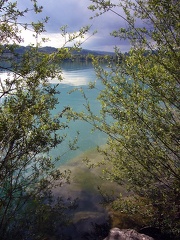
[
  {"x": 28, "y": 132},
  {"x": 141, "y": 97},
  {"x": 140, "y": 113}
]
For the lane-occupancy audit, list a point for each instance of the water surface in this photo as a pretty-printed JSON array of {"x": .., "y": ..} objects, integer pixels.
[{"x": 78, "y": 75}]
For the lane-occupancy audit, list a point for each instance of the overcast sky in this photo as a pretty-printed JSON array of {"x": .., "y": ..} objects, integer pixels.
[{"x": 75, "y": 14}]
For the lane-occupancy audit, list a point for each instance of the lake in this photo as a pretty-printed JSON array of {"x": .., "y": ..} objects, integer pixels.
[
  {"x": 84, "y": 182},
  {"x": 90, "y": 218},
  {"x": 78, "y": 75}
]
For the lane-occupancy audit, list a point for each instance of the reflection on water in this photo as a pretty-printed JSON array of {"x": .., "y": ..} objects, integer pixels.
[
  {"x": 78, "y": 76},
  {"x": 90, "y": 216},
  {"x": 75, "y": 75}
]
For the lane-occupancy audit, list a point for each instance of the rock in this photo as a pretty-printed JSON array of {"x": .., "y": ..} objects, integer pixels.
[{"x": 126, "y": 234}]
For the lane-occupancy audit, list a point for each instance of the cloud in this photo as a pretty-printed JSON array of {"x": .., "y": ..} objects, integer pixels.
[{"x": 75, "y": 14}]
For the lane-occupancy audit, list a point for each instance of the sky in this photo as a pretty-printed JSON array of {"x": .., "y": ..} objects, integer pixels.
[{"x": 75, "y": 14}]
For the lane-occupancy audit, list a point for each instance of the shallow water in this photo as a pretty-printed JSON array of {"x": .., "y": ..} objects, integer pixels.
[{"x": 91, "y": 217}]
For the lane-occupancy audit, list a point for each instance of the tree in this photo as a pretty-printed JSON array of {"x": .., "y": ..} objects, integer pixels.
[
  {"x": 28, "y": 131},
  {"x": 140, "y": 109}
]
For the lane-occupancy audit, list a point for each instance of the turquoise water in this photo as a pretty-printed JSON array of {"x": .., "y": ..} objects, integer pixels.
[{"x": 78, "y": 75}]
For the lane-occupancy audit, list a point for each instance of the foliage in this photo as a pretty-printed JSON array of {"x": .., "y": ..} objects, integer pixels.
[
  {"x": 140, "y": 107},
  {"x": 28, "y": 131}
]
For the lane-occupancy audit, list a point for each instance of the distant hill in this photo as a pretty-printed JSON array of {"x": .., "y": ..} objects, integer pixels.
[
  {"x": 81, "y": 55},
  {"x": 77, "y": 52},
  {"x": 23, "y": 49}
]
